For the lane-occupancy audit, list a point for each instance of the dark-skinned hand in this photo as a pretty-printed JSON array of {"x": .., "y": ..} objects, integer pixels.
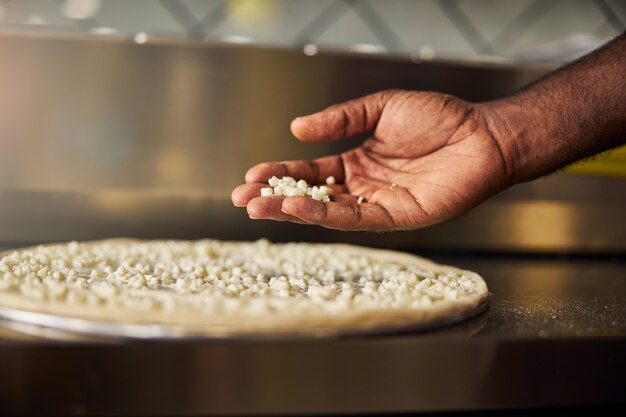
[{"x": 430, "y": 157}]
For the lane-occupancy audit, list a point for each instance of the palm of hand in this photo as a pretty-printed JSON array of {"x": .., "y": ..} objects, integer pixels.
[{"x": 431, "y": 157}]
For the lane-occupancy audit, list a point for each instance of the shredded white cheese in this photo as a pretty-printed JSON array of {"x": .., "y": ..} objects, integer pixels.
[
  {"x": 211, "y": 276},
  {"x": 289, "y": 187}
]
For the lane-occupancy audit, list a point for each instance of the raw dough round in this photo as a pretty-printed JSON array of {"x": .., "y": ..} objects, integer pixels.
[{"x": 222, "y": 288}]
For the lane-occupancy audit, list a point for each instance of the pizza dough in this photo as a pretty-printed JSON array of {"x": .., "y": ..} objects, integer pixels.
[{"x": 218, "y": 288}]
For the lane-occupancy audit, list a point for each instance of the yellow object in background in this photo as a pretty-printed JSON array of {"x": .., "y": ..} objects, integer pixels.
[
  {"x": 248, "y": 14},
  {"x": 611, "y": 163}
]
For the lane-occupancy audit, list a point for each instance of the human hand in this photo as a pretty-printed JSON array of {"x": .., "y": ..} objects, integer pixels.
[{"x": 431, "y": 157}]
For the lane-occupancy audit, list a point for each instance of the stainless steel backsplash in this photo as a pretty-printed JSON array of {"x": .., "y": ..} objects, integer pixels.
[
  {"x": 102, "y": 138},
  {"x": 87, "y": 113}
]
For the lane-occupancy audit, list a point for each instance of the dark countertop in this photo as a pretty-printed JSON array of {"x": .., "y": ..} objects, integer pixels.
[
  {"x": 554, "y": 335},
  {"x": 552, "y": 296}
]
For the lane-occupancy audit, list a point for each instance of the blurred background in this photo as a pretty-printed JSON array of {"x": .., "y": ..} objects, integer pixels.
[
  {"x": 518, "y": 31},
  {"x": 137, "y": 118}
]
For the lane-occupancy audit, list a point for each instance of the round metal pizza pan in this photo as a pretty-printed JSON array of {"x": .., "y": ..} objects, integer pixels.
[{"x": 59, "y": 327}]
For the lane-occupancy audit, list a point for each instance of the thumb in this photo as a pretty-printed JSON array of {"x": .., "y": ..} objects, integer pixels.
[{"x": 341, "y": 120}]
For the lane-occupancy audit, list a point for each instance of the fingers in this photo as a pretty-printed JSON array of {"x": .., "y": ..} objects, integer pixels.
[
  {"x": 246, "y": 192},
  {"x": 269, "y": 208},
  {"x": 343, "y": 213},
  {"x": 341, "y": 120},
  {"x": 345, "y": 199},
  {"x": 249, "y": 196},
  {"x": 313, "y": 172},
  {"x": 338, "y": 215}
]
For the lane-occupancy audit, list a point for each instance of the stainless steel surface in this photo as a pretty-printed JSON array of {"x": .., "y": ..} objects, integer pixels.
[
  {"x": 558, "y": 214},
  {"x": 184, "y": 116},
  {"x": 555, "y": 335},
  {"x": 108, "y": 138}
]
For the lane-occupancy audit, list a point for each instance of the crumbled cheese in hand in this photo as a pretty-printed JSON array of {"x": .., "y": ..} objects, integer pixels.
[
  {"x": 211, "y": 276},
  {"x": 289, "y": 187}
]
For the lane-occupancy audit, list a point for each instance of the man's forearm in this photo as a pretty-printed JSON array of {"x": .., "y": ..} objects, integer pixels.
[{"x": 575, "y": 112}]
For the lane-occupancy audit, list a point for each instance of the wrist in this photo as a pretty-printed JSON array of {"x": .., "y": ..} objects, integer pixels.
[{"x": 515, "y": 128}]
